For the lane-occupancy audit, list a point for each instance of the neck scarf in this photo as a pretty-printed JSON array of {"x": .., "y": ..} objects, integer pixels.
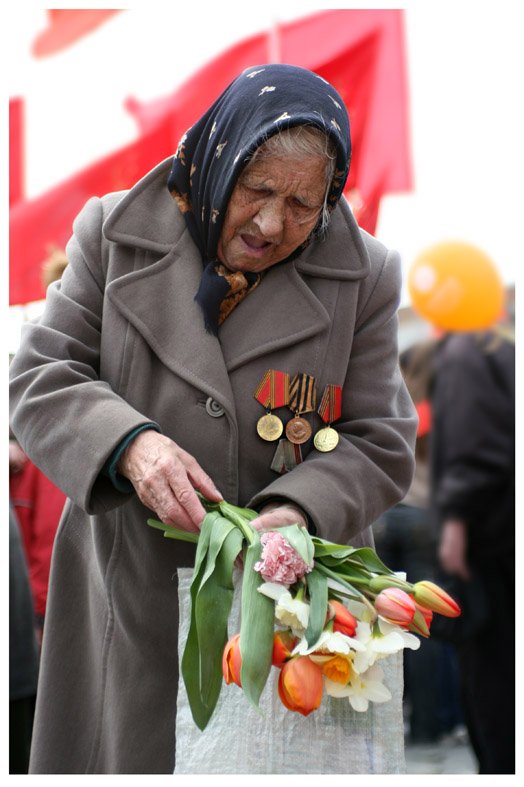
[{"x": 213, "y": 152}]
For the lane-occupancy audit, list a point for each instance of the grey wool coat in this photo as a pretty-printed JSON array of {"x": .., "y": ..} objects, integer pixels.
[{"x": 122, "y": 343}]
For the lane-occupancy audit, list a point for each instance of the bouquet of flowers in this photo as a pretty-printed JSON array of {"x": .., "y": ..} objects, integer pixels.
[{"x": 324, "y": 614}]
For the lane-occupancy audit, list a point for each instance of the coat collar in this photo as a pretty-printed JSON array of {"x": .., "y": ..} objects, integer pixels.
[{"x": 158, "y": 299}]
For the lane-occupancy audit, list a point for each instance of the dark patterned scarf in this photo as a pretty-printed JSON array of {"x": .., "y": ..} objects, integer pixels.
[{"x": 260, "y": 102}]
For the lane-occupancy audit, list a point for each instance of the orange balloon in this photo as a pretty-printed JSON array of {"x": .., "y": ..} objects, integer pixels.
[{"x": 456, "y": 287}]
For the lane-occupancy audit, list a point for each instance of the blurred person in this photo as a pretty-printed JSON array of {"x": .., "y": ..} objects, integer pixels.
[
  {"x": 23, "y": 651},
  {"x": 38, "y": 503},
  {"x": 406, "y": 539},
  {"x": 473, "y": 472},
  {"x": 137, "y": 386}
]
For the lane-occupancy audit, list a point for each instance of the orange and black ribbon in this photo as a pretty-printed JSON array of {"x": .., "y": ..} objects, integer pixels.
[
  {"x": 302, "y": 393},
  {"x": 273, "y": 390},
  {"x": 330, "y": 408}
]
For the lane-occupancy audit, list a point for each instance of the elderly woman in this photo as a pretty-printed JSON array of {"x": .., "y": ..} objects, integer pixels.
[{"x": 236, "y": 262}]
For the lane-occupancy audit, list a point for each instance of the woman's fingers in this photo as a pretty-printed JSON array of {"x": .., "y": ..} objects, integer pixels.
[
  {"x": 159, "y": 497},
  {"x": 199, "y": 479}
]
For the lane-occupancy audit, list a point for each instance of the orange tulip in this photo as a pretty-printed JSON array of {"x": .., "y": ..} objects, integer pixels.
[
  {"x": 300, "y": 685},
  {"x": 431, "y": 596},
  {"x": 283, "y": 644},
  {"x": 343, "y": 620},
  {"x": 232, "y": 661},
  {"x": 396, "y": 606}
]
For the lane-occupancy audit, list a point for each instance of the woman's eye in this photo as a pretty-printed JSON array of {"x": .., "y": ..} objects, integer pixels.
[{"x": 257, "y": 193}]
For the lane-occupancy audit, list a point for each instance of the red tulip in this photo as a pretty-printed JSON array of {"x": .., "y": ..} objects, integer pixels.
[
  {"x": 421, "y": 621},
  {"x": 396, "y": 606},
  {"x": 283, "y": 644},
  {"x": 343, "y": 620},
  {"x": 431, "y": 596},
  {"x": 232, "y": 661},
  {"x": 300, "y": 685}
]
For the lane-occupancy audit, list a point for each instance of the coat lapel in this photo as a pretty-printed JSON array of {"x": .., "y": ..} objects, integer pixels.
[
  {"x": 281, "y": 312},
  {"x": 158, "y": 301}
]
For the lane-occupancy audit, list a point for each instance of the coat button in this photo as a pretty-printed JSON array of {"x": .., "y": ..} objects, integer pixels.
[{"x": 214, "y": 409}]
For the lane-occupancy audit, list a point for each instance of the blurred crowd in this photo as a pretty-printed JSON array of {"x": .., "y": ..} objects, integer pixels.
[{"x": 456, "y": 525}]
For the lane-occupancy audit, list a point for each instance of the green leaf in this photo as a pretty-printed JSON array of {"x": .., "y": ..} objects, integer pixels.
[
  {"x": 356, "y": 594},
  {"x": 256, "y": 628},
  {"x": 323, "y": 548},
  {"x": 350, "y": 572},
  {"x": 299, "y": 538},
  {"x": 213, "y": 605},
  {"x": 360, "y": 556},
  {"x": 174, "y": 532},
  {"x": 318, "y": 599},
  {"x": 211, "y": 598},
  {"x": 220, "y": 529},
  {"x": 190, "y": 665},
  {"x": 369, "y": 558}
]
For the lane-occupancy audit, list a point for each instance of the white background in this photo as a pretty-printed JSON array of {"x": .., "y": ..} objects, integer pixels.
[{"x": 464, "y": 62}]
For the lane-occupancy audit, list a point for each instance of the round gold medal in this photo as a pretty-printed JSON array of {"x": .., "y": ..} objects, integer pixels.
[
  {"x": 269, "y": 427},
  {"x": 326, "y": 439},
  {"x": 298, "y": 430}
]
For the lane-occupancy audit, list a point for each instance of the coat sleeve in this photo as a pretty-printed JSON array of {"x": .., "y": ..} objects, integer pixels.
[
  {"x": 346, "y": 490},
  {"x": 64, "y": 416},
  {"x": 474, "y": 428}
]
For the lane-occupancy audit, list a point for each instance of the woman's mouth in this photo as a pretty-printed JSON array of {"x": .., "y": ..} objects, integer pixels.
[{"x": 254, "y": 245}]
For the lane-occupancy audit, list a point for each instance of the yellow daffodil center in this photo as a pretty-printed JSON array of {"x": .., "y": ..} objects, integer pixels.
[{"x": 338, "y": 669}]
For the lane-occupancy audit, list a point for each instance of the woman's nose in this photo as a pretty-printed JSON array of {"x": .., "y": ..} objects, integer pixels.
[{"x": 270, "y": 220}]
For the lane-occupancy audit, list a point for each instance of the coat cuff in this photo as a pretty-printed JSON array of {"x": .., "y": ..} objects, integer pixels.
[{"x": 121, "y": 483}]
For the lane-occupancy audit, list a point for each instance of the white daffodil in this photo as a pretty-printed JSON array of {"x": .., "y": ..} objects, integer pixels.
[
  {"x": 410, "y": 640},
  {"x": 272, "y": 590},
  {"x": 292, "y": 612},
  {"x": 376, "y": 645},
  {"x": 289, "y": 611},
  {"x": 329, "y": 642},
  {"x": 361, "y": 689}
]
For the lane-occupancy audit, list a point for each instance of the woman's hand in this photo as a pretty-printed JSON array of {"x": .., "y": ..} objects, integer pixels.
[
  {"x": 165, "y": 478},
  {"x": 279, "y": 515}
]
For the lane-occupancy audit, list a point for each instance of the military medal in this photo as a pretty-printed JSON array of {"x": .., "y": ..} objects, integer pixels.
[
  {"x": 272, "y": 392},
  {"x": 330, "y": 410},
  {"x": 287, "y": 456},
  {"x": 302, "y": 399},
  {"x": 269, "y": 427}
]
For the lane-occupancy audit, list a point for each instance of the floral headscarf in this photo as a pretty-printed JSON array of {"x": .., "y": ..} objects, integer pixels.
[{"x": 260, "y": 102}]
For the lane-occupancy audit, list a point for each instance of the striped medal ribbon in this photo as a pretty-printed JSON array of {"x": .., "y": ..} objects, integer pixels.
[
  {"x": 302, "y": 399},
  {"x": 287, "y": 456},
  {"x": 272, "y": 392},
  {"x": 330, "y": 410}
]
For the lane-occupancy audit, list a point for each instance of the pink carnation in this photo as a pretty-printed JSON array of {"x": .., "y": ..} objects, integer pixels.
[{"x": 280, "y": 562}]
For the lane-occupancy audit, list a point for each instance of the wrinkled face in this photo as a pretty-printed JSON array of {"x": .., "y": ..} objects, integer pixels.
[{"x": 275, "y": 205}]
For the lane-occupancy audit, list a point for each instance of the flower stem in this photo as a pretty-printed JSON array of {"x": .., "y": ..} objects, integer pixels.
[
  {"x": 324, "y": 570},
  {"x": 230, "y": 512}
]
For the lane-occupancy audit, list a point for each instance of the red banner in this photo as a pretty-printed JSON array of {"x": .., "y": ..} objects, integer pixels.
[
  {"x": 67, "y": 25},
  {"x": 360, "y": 51},
  {"x": 16, "y": 151}
]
